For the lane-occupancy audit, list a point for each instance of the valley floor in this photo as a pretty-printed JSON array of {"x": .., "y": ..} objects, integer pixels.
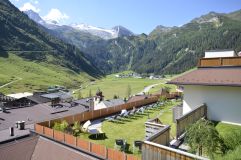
[{"x": 111, "y": 85}]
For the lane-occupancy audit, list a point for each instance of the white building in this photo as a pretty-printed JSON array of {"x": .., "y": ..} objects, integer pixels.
[
  {"x": 219, "y": 53},
  {"x": 218, "y": 87},
  {"x": 20, "y": 95}
]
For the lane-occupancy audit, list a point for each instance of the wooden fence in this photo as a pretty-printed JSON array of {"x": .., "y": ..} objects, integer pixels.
[
  {"x": 216, "y": 62},
  {"x": 44, "y": 128},
  {"x": 190, "y": 118},
  {"x": 162, "y": 136},
  {"x": 95, "y": 114},
  {"x": 95, "y": 149},
  {"x": 155, "y": 151}
]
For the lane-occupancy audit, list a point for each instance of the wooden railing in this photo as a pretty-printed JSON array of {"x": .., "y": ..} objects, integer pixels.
[
  {"x": 162, "y": 136},
  {"x": 217, "y": 62},
  {"x": 98, "y": 150},
  {"x": 156, "y": 151},
  {"x": 95, "y": 114},
  {"x": 44, "y": 128},
  {"x": 190, "y": 118}
]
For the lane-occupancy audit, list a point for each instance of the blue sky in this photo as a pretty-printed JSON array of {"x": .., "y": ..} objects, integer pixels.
[{"x": 140, "y": 16}]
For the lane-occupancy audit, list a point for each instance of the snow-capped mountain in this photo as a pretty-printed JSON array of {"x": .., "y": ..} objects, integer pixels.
[
  {"x": 36, "y": 17},
  {"x": 117, "y": 31}
]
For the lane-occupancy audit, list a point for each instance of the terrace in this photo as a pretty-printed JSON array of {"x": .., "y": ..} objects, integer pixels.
[
  {"x": 117, "y": 126},
  {"x": 132, "y": 128},
  {"x": 120, "y": 128}
]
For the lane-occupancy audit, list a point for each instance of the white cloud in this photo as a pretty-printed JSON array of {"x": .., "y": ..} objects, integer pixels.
[
  {"x": 55, "y": 15},
  {"x": 29, "y": 6},
  {"x": 34, "y": 1}
]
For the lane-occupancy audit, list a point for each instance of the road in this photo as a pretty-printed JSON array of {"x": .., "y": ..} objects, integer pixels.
[
  {"x": 146, "y": 89},
  {"x": 11, "y": 82}
]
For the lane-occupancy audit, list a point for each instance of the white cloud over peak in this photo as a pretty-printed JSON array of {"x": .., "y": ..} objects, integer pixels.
[
  {"x": 29, "y": 6},
  {"x": 56, "y": 16},
  {"x": 35, "y": 1}
]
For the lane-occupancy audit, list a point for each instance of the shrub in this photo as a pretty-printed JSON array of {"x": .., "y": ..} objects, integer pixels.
[
  {"x": 232, "y": 140},
  {"x": 61, "y": 126},
  {"x": 202, "y": 135},
  {"x": 76, "y": 129},
  {"x": 231, "y": 155}
]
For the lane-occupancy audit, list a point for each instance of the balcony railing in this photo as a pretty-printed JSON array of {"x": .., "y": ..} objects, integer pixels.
[{"x": 218, "y": 62}]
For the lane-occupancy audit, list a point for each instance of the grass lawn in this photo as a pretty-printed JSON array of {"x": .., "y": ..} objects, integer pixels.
[
  {"x": 225, "y": 129},
  {"x": 35, "y": 75},
  {"x": 157, "y": 88},
  {"x": 110, "y": 86},
  {"x": 133, "y": 128}
]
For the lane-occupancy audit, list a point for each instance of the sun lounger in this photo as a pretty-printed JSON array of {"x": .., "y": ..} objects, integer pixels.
[
  {"x": 120, "y": 143},
  {"x": 137, "y": 144},
  {"x": 86, "y": 126},
  {"x": 127, "y": 114}
]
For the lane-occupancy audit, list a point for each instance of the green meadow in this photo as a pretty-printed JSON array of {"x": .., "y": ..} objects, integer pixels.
[{"x": 33, "y": 76}]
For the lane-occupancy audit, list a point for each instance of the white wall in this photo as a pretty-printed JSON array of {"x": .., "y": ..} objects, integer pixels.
[
  {"x": 100, "y": 105},
  {"x": 219, "y": 54},
  {"x": 224, "y": 103}
]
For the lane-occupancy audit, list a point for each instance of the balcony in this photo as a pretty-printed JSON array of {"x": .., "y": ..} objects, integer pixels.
[{"x": 219, "y": 62}]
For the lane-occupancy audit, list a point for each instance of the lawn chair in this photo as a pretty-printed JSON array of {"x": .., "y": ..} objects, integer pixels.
[
  {"x": 120, "y": 143},
  {"x": 141, "y": 110},
  {"x": 122, "y": 112},
  {"x": 137, "y": 144},
  {"x": 86, "y": 126},
  {"x": 112, "y": 118},
  {"x": 132, "y": 112},
  {"x": 126, "y": 114}
]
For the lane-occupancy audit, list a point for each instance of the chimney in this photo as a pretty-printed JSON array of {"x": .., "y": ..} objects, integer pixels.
[
  {"x": 22, "y": 125},
  {"x": 11, "y": 130},
  {"x": 2, "y": 107}
]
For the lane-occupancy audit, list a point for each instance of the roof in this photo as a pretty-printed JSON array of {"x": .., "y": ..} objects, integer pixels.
[
  {"x": 39, "y": 148},
  {"x": 47, "y": 149},
  {"x": 62, "y": 95},
  {"x": 37, "y": 113},
  {"x": 113, "y": 102},
  {"x": 137, "y": 98},
  {"x": 18, "y": 150},
  {"x": 220, "y": 76},
  {"x": 38, "y": 99},
  {"x": 84, "y": 102},
  {"x": 20, "y": 95}
]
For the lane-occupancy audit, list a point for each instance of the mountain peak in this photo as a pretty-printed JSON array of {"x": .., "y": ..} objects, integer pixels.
[
  {"x": 34, "y": 16},
  {"x": 208, "y": 18},
  {"x": 122, "y": 31}
]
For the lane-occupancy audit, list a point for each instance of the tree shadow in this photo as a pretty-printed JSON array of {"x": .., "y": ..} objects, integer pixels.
[
  {"x": 125, "y": 119},
  {"x": 215, "y": 123},
  {"x": 118, "y": 122},
  {"x": 3, "y": 53},
  {"x": 98, "y": 137}
]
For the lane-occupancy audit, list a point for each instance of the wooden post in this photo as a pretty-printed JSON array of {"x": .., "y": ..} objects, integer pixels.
[
  {"x": 90, "y": 146},
  {"x": 106, "y": 152}
]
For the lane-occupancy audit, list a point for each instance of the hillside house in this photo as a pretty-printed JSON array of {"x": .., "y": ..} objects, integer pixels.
[
  {"x": 109, "y": 103},
  {"x": 217, "y": 83}
]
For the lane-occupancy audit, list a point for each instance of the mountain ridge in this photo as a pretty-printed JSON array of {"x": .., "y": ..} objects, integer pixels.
[
  {"x": 165, "y": 50},
  {"x": 116, "y": 31},
  {"x": 28, "y": 37}
]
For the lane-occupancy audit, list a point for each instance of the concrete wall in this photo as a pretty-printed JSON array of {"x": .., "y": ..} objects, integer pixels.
[
  {"x": 219, "y": 54},
  {"x": 223, "y": 103}
]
